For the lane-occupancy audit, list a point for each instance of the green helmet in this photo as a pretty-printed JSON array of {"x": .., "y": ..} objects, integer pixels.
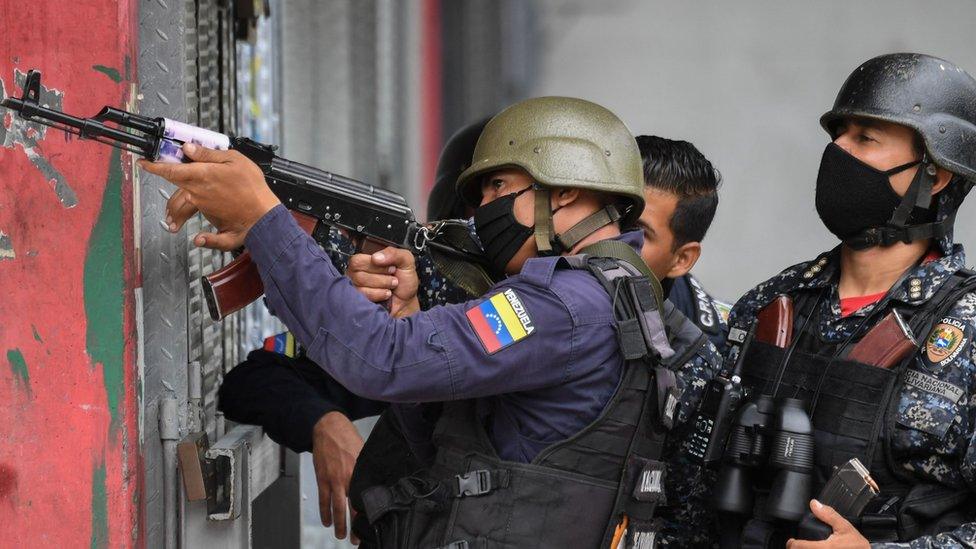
[{"x": 561, "y": 142}]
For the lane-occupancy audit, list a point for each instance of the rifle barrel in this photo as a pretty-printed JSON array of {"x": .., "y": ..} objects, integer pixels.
[{"x": 86, "y": 127}]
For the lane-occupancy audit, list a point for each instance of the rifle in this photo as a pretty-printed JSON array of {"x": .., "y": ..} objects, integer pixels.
[{"x": 372, "y": 217}]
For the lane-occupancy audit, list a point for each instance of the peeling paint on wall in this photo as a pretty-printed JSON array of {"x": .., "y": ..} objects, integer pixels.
[
  {"x": 16, "y": 131},
  {"x": 6, "y": 247}
]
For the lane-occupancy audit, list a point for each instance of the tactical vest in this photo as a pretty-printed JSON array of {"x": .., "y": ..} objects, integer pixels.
[
  {"x": 576, "y": 492},
  {"x": 856, "y": 408}
]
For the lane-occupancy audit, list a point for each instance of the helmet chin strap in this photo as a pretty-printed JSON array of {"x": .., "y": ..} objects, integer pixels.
[
  {"x": 548, "y": 242},
  {"x": 898, "y": 228}
]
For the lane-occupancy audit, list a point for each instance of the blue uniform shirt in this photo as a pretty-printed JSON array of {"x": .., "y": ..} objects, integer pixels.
[{"x": 546, "y": 384}]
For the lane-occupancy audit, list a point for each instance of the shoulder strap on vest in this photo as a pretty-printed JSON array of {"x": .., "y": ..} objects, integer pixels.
[
  {"x": 620, "y": 250},
  {"x": 638, "y": 310},
  {"x": 686, "y": 336},
  {"x": 644, "y": 323}
]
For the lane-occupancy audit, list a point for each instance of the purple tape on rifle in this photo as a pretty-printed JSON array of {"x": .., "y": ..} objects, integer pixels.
[{"x": 175, "y": 133}]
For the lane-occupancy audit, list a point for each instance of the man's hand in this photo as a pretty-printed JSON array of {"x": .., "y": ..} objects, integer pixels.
[
  {"x": 387, "y": 273},
  {"x": 336, "y": 444},
  {"x": 179, "y": 209},
  {"x": 845, "y": 536},
  {"x": 225, "y": 186}
]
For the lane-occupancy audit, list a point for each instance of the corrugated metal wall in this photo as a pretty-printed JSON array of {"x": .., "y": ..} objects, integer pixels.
[{"x": 189, "y": 71}]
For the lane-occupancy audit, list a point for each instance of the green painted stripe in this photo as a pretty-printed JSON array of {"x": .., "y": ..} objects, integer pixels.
[
  {"x": 99, "y": 508},
  {"x": 19, "y": 366},
  {"x": 104, "y": 286},
  {"x": 110, "y": 72}
]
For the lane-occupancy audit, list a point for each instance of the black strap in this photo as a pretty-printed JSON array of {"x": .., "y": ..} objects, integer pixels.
[
  {"x": 919, "y": 194},
  {"x": 458, "y": 544},
  {"x": 886, "y": 236},
  {"x": 898, "y": 229},
  {"x": 380, "y": 500}
]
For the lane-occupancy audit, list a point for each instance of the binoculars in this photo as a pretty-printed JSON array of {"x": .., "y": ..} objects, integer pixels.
[{"x": 768, "y": 437}]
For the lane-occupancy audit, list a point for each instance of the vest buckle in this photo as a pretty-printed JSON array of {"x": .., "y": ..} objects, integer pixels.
[
  {"x": 459, "y": 544},
  {"x": 474, "y": 483}
]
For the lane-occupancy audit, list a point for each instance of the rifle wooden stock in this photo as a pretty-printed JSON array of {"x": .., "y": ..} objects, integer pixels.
[
  {"x": 774, "y": 323},
  {"x": 239, "y": 284},
  {"x": 887, "y": 344}
]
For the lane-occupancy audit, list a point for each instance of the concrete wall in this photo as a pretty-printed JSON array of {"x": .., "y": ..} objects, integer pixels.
[{"x": 746, "y": 82}]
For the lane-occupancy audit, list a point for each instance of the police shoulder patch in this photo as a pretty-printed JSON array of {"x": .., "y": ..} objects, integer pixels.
[
  {"x": 946, "y": 341},
  {"x": 500, "y": 321}
]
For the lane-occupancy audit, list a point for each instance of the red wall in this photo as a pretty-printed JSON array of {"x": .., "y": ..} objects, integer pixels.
[
  {"x": 69, "y": 444},
  {"x": 430, "y": 91}
]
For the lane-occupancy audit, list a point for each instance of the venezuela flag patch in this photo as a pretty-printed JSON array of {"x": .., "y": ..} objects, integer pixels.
[{"x": 500, "y": 321}]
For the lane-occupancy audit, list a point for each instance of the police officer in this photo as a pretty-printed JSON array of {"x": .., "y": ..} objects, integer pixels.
[
  {"x": 302, "y": 407},
  {"x": 680, "y": 185},
  {"x": 443, "y": 201},
  {"x": 889, "y": 186},
  {"x": 681, "y": 196},
  {"x": 535, "y": 423}
]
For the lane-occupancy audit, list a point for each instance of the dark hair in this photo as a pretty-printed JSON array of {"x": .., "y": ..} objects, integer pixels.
[{"x": 679, "y": 168}]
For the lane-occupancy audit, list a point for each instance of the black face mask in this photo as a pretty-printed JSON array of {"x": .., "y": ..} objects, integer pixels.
[
  {"x": 852, "y": 196},
  {"x": 500, "y": 233}
]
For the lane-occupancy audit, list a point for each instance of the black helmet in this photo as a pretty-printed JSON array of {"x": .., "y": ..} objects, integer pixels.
[
  {"x": 935, "y": 98},
  {"x": 443, "y": 201},
  {"x": 932, "y": 96}
]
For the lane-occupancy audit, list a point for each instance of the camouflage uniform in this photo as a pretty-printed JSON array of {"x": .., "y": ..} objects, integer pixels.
[
  {"x": 687, "y": 519},
  {"x": 686, "y": 522},
  {"x": 933, "y": 439},
  {"x": 435, "y": 289}
]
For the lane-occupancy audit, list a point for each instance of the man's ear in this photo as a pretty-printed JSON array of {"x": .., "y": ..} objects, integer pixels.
[
  {"x": 564, "y": 197},
  {"x": 684, "y": 258},
  {"x": 942, "y": 179}
]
